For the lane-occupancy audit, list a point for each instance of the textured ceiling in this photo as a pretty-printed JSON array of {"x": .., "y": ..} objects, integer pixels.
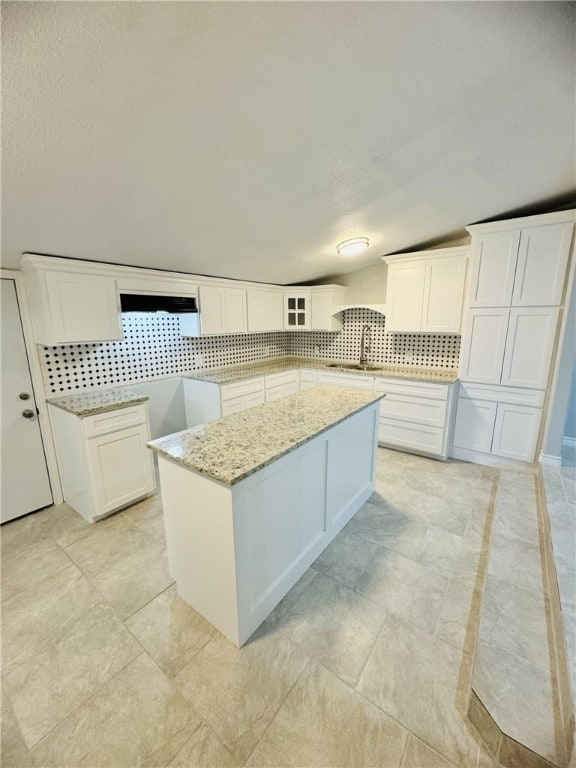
[{"x": 247, "y": 139}]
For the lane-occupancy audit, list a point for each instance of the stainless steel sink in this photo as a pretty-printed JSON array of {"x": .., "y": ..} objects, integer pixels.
[{"x": 355, "y": 366}]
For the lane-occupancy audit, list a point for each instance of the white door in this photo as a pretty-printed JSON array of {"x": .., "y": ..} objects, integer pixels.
[
  {"x": 212, "y": 310},
  {"x": 529, "y": 347},
  {"x": 516, "y": 431},
  {"x": 483, "y": 345},
  {"x": 25, "y": 482},
  {"x": 444, "y": 294},
  {"x": 493, "y": 268},
  {"x": 236, "y": 317},
  {"x": 542, "y": 260},
  {"x": 474, "y": 427},
  {"x": 406, "y": 291}
]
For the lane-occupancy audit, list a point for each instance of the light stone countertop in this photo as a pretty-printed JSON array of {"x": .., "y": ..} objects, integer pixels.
[
  {"x": 266, "y": 367},
  {"x": 97, "y": 401},
  {"x": 231, "y": 448}
]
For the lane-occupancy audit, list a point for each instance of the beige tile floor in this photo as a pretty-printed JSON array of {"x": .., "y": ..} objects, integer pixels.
[{"x": 366, "y": 662}]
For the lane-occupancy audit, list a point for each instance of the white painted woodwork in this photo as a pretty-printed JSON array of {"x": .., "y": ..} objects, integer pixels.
[
  {"x": 516, "y": 431},
  {"x": 444, "y": 294},
  {"x": 236, "y": 551},
  {"x": 483, "y": 345},
  {"x": 236, "y": 389},
  {"x": 201, "y": 401},
  {"x": 542, "y": 260},
  {"x": 222, "y": 310},
  {"x": 325, "y": 301},
  {"x": 189, "y": 324},
  {"x": 415, "y": 415},
  {"x": 257, "y": 322},
  {"x": 25, "y": 483},
  {"x": 512, "y": 395},
  {"x": 474, "y": 426},
  {"x": 425, "y": 291},
  {"x": 104, "y": 464},
  {"x": 242, "y": 403},
  {"x": 529, "y": 346},
  {"x": 308, "y": 378},
  {"x": 279, "y": 385},
  {"x": 405, "y": 296},
  {"x": 494, "y": 257},
  {"x": 297, "y": 309},
  {"x": 275, "y": 310},
  {"x": 69, "y": 307},
  {"x": 414, "y": 438},
  {"x": 356, "y": 381}
]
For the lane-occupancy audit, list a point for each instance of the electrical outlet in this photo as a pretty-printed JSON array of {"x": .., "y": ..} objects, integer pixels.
[
  {"x": 198, "y": 360},
  {"x": 316, "y": 349}
]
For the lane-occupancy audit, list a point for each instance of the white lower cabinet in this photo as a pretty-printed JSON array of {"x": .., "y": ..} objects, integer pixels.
[
  {"x": 415, "y": 415},
  {"x": 497, "y": 421},
  {"x": 277, "y": 385},
  {"x": 338, "y": 379},
  {"x": 103, "y": 459},
  {"x": 308, "y": 378}
]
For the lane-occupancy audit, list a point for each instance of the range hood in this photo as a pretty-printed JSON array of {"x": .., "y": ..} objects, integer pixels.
[{"x": 138, "y": 302}]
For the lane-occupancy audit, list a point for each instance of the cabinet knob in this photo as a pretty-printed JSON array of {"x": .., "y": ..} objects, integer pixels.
[
  {"x": 28, "y": 414},
  {"x": 24, "y": 396}
]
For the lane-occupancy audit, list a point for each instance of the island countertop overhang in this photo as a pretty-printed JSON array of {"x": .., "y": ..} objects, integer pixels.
[{"x": 229, "y": 449}]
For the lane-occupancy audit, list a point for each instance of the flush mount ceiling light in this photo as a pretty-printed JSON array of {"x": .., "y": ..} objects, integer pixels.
[{"x": 352, "y": 247}]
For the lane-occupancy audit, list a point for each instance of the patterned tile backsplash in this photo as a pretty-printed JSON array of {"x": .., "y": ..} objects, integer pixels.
[{"x": 152, "y": 347}]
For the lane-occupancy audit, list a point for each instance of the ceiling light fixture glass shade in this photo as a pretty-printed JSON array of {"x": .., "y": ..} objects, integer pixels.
[{"x": 352, "y": 247}]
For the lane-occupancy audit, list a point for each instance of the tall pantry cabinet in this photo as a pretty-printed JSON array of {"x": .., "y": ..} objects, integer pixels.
[{"x": 517, "y": 293}]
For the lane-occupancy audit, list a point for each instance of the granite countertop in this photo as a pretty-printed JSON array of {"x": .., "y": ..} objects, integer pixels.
[
  {"x": 231, "y": 448},
  {"x": 266, "y": 367},
  {"x": 97, "y": 401}
]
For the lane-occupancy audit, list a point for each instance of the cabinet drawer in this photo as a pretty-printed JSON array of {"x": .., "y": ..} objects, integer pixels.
[
  {"x": 416, "y": 410},
  {"x": 512, "y": 395},
  {"x": 415, "y": 437},
  {"x": 346, "y": 380},
  {"x": 275, "y": 393},
  {"x": 285, "y": 378},
  {"x": 240, "y": 388},
  {"x": 308, "y": 376},
  {"x": 235, "y": 405},
  {"x": 418, "y": 388},
  {"x": 112, "y": 421}
]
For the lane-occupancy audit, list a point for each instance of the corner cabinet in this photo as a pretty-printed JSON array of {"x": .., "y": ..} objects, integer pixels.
[
  {"x": 425, "y": 291},
  {"x": 70, "y": 307}
]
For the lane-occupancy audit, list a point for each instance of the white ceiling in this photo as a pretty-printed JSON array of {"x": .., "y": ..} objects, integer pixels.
[{"x": 247, "y": 139}]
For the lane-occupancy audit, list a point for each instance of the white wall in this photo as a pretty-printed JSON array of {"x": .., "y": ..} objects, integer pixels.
[{"x": 165, "y": 406}]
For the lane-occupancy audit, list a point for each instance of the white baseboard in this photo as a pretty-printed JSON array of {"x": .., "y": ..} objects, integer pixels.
[
  {"x": 569, "y": 442},
  {"x": 550, "y": 461}
]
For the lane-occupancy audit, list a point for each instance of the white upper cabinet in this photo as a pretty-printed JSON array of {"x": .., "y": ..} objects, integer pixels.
[
  {"x": 542, "y": 259},
  {"x": 265, "y": 310},
  {"x": 70, "y": 308},
  {"x": 425, "y": 292},
  {"x": 444, "y": 294},
  {"x": 493, "y": 268},
  {"x": 519, "y": 266},
  {"x": 325, "y": 301},
  {"x": 222, "y": 310},
  {"x": 297, "y": 309}
]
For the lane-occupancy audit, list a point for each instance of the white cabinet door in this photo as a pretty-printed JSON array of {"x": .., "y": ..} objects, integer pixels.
[
  {"x": 274, "y": 311},
  {"x": 483, "y": 345},
  {"x": 444, "y": 294},
  {"x": 236, "y": 315},
  {"x": 323, "y": 304},
  {"x": 529, "y": 347},
  {"x": 256, "y": 301},
  {"x": 81, "y": 308},
  {"x": 542, "y": 260},
  {"x": 212, "y": 310},
  {"x": 405, "y": 292},
  {"x": 494, "y": 266},
  {"x": 516, "y": 431},
  {"x": 474, "y": 425},
  {"x": 297, "y": 310},
  {"x": 122, "y": 467}
]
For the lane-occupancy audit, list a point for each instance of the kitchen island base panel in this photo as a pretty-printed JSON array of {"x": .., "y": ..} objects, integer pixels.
[{"x": 235, "y": 551}]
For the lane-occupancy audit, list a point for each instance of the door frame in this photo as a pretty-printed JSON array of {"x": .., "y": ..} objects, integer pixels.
[{"x": 37, "y": 381}]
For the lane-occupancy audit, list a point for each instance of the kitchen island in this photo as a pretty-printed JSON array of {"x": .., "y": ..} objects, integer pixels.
[{"x": 252, "y": 499}]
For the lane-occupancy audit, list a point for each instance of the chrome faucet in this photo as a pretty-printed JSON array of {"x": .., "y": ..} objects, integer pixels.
[{"x": 365, "y": 344}]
